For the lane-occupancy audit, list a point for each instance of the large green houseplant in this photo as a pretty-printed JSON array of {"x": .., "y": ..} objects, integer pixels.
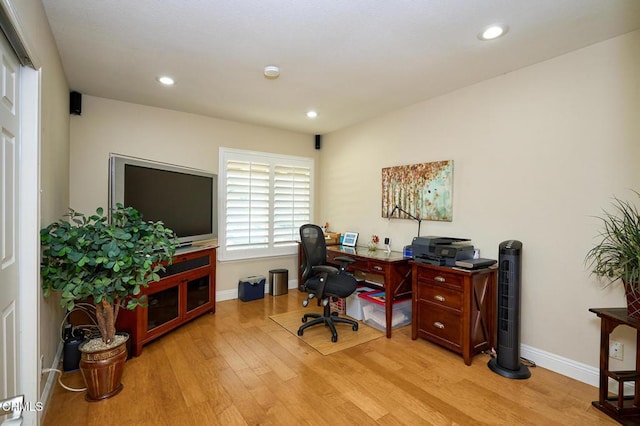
[
  {"x": 616, "y": 257},
  {"x": 106, "y": 261}
]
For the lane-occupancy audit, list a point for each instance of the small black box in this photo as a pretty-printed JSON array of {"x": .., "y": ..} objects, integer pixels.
[
  {"x": 75, "y": 103},
  {"x": 251, "y": 288}
]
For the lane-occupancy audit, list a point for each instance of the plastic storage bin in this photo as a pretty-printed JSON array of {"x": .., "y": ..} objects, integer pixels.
[
  {"x": 354, "y": 304},
  {"x": 251, "y": 288},
  {"x": 373, "y": 311}
]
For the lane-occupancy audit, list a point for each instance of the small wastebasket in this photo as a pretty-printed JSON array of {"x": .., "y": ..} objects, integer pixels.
[{"x": 279, "y": 282}]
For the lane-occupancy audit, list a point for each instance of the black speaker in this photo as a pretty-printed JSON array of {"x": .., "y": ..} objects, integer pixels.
[
  {"x": 318, "y": 140},
  {"x": 75, "y": 103},
  {"x": 507, "y": 361},
  {"x": 71, "y": 351}
]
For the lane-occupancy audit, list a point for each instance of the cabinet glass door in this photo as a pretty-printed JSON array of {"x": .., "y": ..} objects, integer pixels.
[
  {"x": 197, "y": 292},
  {"x": 162, "y": 307}
]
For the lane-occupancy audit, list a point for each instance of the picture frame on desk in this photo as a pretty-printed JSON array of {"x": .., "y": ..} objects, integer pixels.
[{"x": 350, "y": 239}]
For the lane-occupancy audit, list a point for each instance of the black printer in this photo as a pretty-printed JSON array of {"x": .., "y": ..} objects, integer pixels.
[{"x": 442, "y": 251}]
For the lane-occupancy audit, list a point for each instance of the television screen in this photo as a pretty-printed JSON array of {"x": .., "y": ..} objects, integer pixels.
[{"x": 184, "y": 199}]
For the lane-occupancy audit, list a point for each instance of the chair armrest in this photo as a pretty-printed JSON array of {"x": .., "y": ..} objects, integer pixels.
[
  {"x": 325, "y": 268},
  {"x": 344, "y": 259}
]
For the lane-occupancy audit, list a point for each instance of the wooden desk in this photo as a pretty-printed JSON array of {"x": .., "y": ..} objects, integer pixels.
[
  {"x": 391, "y": 271},
  {"x": 626, "y": 410}
]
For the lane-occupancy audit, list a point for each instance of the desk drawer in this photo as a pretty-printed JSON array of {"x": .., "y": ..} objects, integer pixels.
[
  {"x": 440, "y": 325},
  {"x": 441, "y": 278},
  {"x": 377, "y": 267},
  {"x": 360, "y": 264},
  {"x": 439, "y": 295}
]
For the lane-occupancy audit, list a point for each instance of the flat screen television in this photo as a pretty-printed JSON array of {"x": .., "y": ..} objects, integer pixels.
[{"x": 184, "y": 199}]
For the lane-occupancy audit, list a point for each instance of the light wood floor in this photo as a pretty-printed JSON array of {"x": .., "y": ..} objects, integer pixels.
[{"x": 238, "y": 367}]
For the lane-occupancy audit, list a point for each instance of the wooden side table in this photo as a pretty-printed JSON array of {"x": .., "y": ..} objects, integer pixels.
[{"x": 625, "y": 410}]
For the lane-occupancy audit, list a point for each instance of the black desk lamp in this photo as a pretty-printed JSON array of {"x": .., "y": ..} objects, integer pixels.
[{"x": 397, "y": 207}]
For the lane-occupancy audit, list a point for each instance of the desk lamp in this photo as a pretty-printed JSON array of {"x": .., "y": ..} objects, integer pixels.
[{"x": 397, "y": 207}]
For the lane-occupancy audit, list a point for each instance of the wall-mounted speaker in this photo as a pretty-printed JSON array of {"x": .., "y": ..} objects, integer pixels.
[
  {"x": 507, "y": 361},
  {"x": 318, "y": 140},
  {"x": 75, "y": 103}
]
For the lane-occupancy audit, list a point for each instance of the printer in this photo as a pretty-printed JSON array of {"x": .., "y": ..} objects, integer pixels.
[{"x": 442, "y": 251}]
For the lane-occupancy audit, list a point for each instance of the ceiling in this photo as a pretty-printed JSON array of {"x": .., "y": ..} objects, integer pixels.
[{"x": 350, "y": 60}]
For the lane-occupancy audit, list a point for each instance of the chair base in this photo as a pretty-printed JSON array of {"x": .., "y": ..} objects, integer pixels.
[{"x": 327, "y": 318}]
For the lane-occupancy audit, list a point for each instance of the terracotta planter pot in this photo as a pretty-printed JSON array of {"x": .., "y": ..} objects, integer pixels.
[
  {"x": 633, "y": 301},
  {"x": 102, "y": 370}
]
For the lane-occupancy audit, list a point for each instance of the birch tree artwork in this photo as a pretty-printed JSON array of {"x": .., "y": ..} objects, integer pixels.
[{"x": 424, "y": 190}]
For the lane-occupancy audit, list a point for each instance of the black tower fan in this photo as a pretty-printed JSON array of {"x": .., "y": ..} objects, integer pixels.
[{"x": 507, "y": 363}]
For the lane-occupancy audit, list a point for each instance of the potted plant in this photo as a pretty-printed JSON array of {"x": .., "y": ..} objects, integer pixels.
[
  {"x": 617, "y": 254},
  {"x": 106, "y": 262}
]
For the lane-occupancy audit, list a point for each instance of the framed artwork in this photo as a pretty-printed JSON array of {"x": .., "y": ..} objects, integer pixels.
[
  {"x": 423, "y": 190},
  {"x": 350, "y": 239}
]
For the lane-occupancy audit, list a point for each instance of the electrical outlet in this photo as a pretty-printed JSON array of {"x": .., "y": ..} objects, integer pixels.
[{"x": 615, "y": 350}]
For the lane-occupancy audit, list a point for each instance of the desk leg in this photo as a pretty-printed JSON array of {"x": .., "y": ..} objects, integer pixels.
[{"x": 389, "y": 313}]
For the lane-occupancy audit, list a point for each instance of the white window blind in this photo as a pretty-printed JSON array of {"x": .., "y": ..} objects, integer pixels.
[{"x": 265, "y": 199}]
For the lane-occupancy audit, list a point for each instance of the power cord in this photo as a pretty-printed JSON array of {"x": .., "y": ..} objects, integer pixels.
[
  {"x": 527, "y": 362},
  {"x": 55, "y": 370},
  {"x": 492, "y": 353}
]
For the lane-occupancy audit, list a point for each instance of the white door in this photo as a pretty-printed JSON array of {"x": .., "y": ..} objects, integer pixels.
[{"x": 9, "y": 215}]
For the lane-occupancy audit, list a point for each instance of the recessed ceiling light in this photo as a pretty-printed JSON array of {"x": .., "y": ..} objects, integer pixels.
[
  {"x": 166, "y": 80},
  {"x": 493, "y": 31},
  {"x": 271, "y": 72},
  {"x": 312, "y": 114}
]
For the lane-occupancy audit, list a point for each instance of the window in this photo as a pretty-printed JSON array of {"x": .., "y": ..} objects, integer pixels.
[{"x": 265, "y": 198}]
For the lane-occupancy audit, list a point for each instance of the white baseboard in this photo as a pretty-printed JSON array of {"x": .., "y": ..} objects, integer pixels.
[
  {"x": 47, "y": 391},
  {"x": 233, "y": 294},
  {"x": 567, "y": 367}
]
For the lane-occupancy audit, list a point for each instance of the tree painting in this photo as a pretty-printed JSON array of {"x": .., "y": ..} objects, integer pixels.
[{"x": 424, "y": 190}]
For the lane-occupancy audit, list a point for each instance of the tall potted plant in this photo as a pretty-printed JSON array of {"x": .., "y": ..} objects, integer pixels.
[
  {"x": 107, "y": 262},
  {"x": 617, "y": 254}
]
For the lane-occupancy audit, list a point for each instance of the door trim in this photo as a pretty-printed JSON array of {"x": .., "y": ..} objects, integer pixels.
[
  {"x": 28, "y": 233},
  {"x": 29, "y": 378}
]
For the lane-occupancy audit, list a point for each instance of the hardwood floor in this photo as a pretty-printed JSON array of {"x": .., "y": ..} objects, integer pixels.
[{"x": 238, "y": 367}]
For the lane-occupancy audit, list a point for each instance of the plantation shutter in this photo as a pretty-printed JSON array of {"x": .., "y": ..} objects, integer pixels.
[
  {"x": 291, "y": 202},
  {"x": 265, "y": 200},
  {"x": 247, "y": 209}
]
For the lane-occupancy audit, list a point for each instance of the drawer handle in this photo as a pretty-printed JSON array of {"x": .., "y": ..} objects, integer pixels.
[
  {"x": 439, "y": 298},
  {"x": 378, "y": 268},
  {"x": 438, "y": 324},
  {"x": 439, "y": 279}
]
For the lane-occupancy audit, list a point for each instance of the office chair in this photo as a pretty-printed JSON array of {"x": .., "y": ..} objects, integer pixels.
[{"x": 323, "y": 281}]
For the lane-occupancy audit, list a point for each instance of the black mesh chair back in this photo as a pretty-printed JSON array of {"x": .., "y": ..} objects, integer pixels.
[{"x": 314, "y": 247}]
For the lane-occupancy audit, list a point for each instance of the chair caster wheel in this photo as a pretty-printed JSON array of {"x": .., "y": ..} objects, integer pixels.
[
  {"x": 334, "y": 339},
  {"x": 300, "y": 332},
  {"x": 355, "y": 327},
  {"x": 304, "y": 319},
  {"x": 305, "y": 303}
]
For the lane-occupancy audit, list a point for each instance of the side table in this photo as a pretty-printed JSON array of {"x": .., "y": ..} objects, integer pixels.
[{"x": 625, "y": 410}]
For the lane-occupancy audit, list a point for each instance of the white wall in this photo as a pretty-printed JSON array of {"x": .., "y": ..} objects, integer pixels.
[
  {"x": 537, "y": 153},
  {"x": 171, "y": 137}
]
